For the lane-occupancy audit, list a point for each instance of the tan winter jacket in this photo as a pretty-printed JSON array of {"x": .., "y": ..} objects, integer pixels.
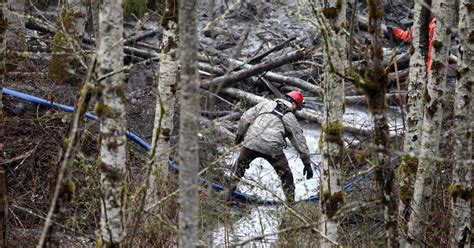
[{"x": 266, "y": 132}]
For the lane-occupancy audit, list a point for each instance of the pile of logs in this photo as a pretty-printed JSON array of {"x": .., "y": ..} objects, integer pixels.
[{"x": 224, "y": 73}]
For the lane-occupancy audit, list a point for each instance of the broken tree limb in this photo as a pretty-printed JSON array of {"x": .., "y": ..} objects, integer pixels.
[
  {"x": 272, "y": 88},
  {"x": 253, "y": 70},
  {"x": 211, "y": 69},
  {"x": 226, "y": 133},
  {"x": 232, "y": 117},
  {"x": 278, "y": 47},
  {"x": 216, "y": 114},
  {"x": 219, "y": 71},
  {"x": 306, "y": 114},
  {"x": 41, "y": 26}
]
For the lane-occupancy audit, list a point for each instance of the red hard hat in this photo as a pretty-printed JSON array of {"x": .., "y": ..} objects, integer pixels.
[{"x": 297, "y": 97}]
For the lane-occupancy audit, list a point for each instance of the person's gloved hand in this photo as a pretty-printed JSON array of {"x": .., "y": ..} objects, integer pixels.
[{"x": 307, "y": 170}]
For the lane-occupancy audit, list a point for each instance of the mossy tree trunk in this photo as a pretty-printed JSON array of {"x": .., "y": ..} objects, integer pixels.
[
  {"x": 414, "y": 112},
  {"x": 375, "y": 88},
  {"x": 67, "y": 52},
  {"x": 432, "y": 119},
  {"x": 111, "y": 110},
  {"x": 165, "y": 104},
  {"x": 331, "y": 140},
  {"x": 461, "y": 187},
  {"x": 189, "y": 125},
  {"x": 3, "y": 26}
]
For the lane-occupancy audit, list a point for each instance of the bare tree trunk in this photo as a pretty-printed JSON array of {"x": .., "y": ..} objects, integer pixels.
[
  {"x": 95, "y": 9},
  {"x": 461, "y": 186},
  {"x": 165, "y": 103},
  {"x": 414, "y": 114},
  {"x": 432, "y": 118},
  {"x": 189, "y": 125},
  {"x": 332, "y": 145},
  {"x": 111, "y": 110},
  {"x": 376, "y": 89}
]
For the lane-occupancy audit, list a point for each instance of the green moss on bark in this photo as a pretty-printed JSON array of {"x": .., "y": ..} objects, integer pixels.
[
  {"x": 437, "y": 45},
  {"x": 333, "y": 128},
  {"x": 332, "y": 203},
  {"x": 101, "y": 110},
  {"x": 458, "y": 191},
  {"x": 437, "y": 66},
  {"x": 409, "y": 165},
  {"x": 406, "y": 193}
]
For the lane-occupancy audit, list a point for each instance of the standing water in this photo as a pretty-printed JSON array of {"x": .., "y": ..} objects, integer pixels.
[{"x": 262, "y": 181}]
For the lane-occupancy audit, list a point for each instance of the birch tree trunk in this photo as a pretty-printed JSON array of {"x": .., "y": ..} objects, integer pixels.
[
  {"x": 461, "y": 187},
  {"x": 414, "y": 112},
  {"x": 332, "y": 145},
  {"x": 375, "y": 89},
  {"x": 111, "y": 110},
  {"x": 189, "y": 125},
  {"x": 432, "y": 118},
  {"x": 165, "y": 103}
]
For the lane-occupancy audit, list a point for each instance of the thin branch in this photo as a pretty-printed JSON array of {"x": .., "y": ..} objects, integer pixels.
[{"x": 69, "y": 154}]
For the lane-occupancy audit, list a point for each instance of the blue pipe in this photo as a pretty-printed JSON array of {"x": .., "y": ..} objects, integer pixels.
[{"x": 172, "y": 165}]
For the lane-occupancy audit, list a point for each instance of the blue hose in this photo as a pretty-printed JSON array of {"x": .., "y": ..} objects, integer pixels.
[{"x": 172, "y": 165}]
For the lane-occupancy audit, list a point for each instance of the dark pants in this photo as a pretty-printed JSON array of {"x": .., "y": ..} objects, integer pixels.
[{"x": 279, "y": 163}]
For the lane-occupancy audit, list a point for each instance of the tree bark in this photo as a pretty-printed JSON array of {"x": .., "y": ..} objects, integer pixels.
[
  {"x": 165, "y": 103},
  {"x": 111, "y": 110},
  {"x": 461, "y": 186},
  {"x": 432, "y": 119},
  {"x": 414, "y": 113},
  {"x": 332, "y": 144},
  {"x": 253, "y": 70},
  {"x": 275, "y": 77},
  {"x": 3, "y": 50},
  {"x": 375, "y": 87},
  {"x": 189, "y": 125}
]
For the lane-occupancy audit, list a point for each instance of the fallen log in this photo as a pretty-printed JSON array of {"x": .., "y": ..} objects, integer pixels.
[
  {"x": 216, "y": 114},
  {"x": 219, "y": 71},
  {"x": 306, "y": 114},
  {"x": 258, "y": 58},
  {"x": 305, "y": 73},
  {"x": 253, "y": 70},
  {"x": 275, "y": 77},
  {"x": 232, "y": 117},
  {"x": 359, "y": 99}
]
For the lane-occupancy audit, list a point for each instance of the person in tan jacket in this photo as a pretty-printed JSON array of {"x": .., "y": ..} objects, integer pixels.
[{"x": 262, "y": 131}]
